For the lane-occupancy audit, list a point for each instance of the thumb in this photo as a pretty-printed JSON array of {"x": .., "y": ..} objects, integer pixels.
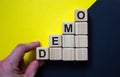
[{"x": 32, "y": 68}]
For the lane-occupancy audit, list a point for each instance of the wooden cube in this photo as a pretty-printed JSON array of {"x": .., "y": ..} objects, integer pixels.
[
  {"x": 81, "y": 41},
  {"x": 81, "y": 15},
  {"x": 68, "y": 54},
  {"x": 81, "y": 54},
  {"x": 55, "y": 53},
  {"x": 81, "y": 28},
  {"x": 42, "y": 53},
  {"x": 68, "y": 40},
  {"x": 68, "y": 28},
  {"x": 55, "y": 41}
]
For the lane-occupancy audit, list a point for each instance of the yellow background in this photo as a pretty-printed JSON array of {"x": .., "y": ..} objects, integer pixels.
[{"x": 23, "y": 21}]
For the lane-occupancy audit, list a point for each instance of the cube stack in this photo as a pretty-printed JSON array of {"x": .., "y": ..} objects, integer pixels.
[{"x": 72, "y": 45}]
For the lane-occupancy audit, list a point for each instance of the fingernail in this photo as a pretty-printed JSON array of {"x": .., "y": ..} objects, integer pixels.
[{"x": 35, "y": 42}]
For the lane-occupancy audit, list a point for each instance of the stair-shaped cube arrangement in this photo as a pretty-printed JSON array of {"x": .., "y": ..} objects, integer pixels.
[{"x": 72, "y": 45}]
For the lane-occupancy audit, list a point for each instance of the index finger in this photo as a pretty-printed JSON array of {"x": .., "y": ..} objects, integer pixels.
[{"x": 18, "y": 53}]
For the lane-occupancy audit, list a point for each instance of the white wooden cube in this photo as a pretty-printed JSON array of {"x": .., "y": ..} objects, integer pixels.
[
  {"x": 81, "y": 15},
  {"x": 42, "y": 53},
  {"x": 55, "y": 53},
  {"x": 81, "y": 28},
  {"x": 55, "y": 41},
  {"x": 68, "y": 40},
  {"x": 81, "y": 41},
  {"x": 68, "y": 54},
  {"x": 68, "y": 28},
  {"x": 81, "y": 54}
]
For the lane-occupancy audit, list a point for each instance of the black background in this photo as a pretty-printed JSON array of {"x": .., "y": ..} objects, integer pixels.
[{"x": 104, "y": 46}]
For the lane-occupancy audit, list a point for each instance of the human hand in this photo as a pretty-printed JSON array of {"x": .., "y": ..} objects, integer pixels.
[{"x": 14, "y": 66}]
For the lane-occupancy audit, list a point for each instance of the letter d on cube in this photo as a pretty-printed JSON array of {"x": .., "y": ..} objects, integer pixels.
[{"x": 42, "y": 53}]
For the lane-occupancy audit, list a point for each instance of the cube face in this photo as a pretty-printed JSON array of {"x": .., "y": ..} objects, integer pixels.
[
  {"x": 81, "y": 54},
  {"x": 42, "y": 53},
  {"x": 68, "y": 40},
  {"x": 81, "y": 28},
  {"x": 81, "y": 15},
  {"x": 55, "y": 53},
  {"x": 68, "y": 54},
  {"x": 55, "y": 41},
  {"x": 68, "y": 28},
  {"x": 81, "y": 41}
]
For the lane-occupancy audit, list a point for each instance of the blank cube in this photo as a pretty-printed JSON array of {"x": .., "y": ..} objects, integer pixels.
[
  {"x": 42, "y": 53},
  {"x": 68, "y": 40},
  {"x": 55, "y": 53},
  {"x": 81, "y": 15},
  {"x": 68, "y": 54},
  {"x": 68, "y": 28},
  {"x": 81, "y": 41},
  {"x": 81, "y": 28},
  {"x": 55, "y": 41},
  {"x": 81, "y": 54}
]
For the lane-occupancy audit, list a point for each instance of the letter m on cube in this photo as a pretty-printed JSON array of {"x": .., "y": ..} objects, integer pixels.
[{"x": 68, "y": 28}]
